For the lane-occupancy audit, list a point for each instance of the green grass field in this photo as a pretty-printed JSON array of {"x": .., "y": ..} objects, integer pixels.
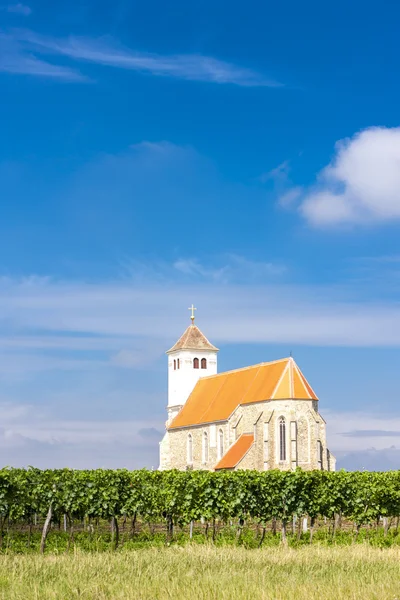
[{"x": 205, "y": 572}]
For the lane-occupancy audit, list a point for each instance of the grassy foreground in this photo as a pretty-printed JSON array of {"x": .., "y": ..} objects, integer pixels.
[{"x": 206, "y": 572}]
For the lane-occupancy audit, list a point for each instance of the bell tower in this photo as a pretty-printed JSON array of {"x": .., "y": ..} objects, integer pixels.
[{"x": 192, "y": 357}]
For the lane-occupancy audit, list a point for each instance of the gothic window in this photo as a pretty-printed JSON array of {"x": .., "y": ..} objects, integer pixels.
[
  {"x": 220, "y": 443},
  {"x": 204, "y": 363},
  {"x": 282, "y": 439},
  {"x": 195, "y": 363},
  {"x": 320, "y": 454},
  {"x": 205, "y": 447},
  {"x": 190, "y": 449},
  {"x": 178, "y": 363},
  {"x": 174, "y": 365}
]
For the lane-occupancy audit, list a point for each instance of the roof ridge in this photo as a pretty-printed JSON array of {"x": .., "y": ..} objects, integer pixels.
[
  {"x": 292, "y": 365},
  {"x": 262, "y": 364},
  {"x": 306, "y": 384},
  {"x": 278, "y": 383}
]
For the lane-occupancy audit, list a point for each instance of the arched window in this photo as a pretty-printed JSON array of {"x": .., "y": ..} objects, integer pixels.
[
  {"x": 282, "y": 439},
  {"x": 220, "y": 443},
  {"x": 204, "y": 363},
  {"x": 178, "y": 363},
  {"x": 189, "y": 449},
  {"x": 320, "y": 454},
  {"x": 195, "y": 363},
  {"x": 205, "y": 447},
  {"x": 174, "y": 365}
]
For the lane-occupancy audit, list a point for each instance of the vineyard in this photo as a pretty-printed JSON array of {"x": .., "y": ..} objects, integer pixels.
[{"x": 196, "y": 502}]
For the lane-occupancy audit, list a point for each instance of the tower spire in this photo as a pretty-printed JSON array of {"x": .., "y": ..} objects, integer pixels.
[{"x": 192, "y": 308}]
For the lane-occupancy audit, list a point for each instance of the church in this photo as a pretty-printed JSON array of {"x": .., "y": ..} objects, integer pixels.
[{"x": 261, "y": 417}]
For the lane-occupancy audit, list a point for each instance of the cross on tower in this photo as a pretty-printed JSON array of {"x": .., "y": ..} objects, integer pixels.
[{"x": 192, "y": 308}]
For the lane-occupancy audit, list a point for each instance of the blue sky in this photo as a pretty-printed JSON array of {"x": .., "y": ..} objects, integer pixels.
[{"x": 244, "y": 157}]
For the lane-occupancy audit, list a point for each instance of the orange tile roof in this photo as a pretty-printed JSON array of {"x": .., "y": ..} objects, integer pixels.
[
  {"x": 215, "y": 398},
  {"x": 236, "y": 452},
  {"x": 192, "y": 339}
]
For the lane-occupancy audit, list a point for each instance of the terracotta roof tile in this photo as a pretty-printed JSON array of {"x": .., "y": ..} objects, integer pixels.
[
  {"x": 192, "y": 339},
  {"x": 283, "y": 389},
  {"x": 214, "y": 398},
  {"x": 307, "y": 385},
  {"x": 236, "y": 452}
]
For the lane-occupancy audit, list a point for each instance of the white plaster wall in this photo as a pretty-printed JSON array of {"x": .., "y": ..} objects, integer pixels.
[{"x": 182, "y": 381}]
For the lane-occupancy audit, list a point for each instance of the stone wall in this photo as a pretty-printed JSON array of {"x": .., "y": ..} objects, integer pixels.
[
  {"x": 178, "y": 446},
  {"x": 304, "y": 430},
  {"x": 305, "y": 438}
]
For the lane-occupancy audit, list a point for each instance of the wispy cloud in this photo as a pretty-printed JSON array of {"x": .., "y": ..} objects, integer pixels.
[
  {"x": 322, "y": 315},
  {"x": 39, "y": 435},
  {"x": 231, "y": 268},
  {"x": 289, "y": 198},
  {"x": 377, "y": 430},
  {"x": 32, "y": 435},
  {"x": 15, "y": 59},
  {"x": 105, "y": 51},
  {"x": 280, "y": 181},
  {"x": 18, "y": 9},
  {"x": 371, "y": 433},
  {"x": 278, "y": 174},
  {"x": 103, "y": 333}
]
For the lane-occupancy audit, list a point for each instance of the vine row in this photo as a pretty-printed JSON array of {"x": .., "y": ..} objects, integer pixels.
[{"x": 182, "y": 497}]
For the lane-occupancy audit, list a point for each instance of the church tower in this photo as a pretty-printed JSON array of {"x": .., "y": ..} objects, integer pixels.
[
  {"x": 261, "y": 417},
  {"x": 191, "y": 358}
]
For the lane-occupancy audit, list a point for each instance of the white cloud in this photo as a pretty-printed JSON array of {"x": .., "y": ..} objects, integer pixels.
[
  {"x": 42, "y": 427},
  {"x": 49, "y": 327},
  {"x": 29, "y": 435},
  {"x": 57, "y": 342},
  {"x": 133, "y": 315},
  {"x": 15, "y": 59},
  {"x": 36, "y": 435},
  {"x": 348, "y": 431},
  {"x": 364, "y": 440},
  {"x": 19, "y": 9},
  {"x": 21, "y": 365},
  {"x": 105, "y": 51},
  {"x": 361, "y": 184},
  {"x": 132, "y": 318},
  {"x": 80, "y": 348}
]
